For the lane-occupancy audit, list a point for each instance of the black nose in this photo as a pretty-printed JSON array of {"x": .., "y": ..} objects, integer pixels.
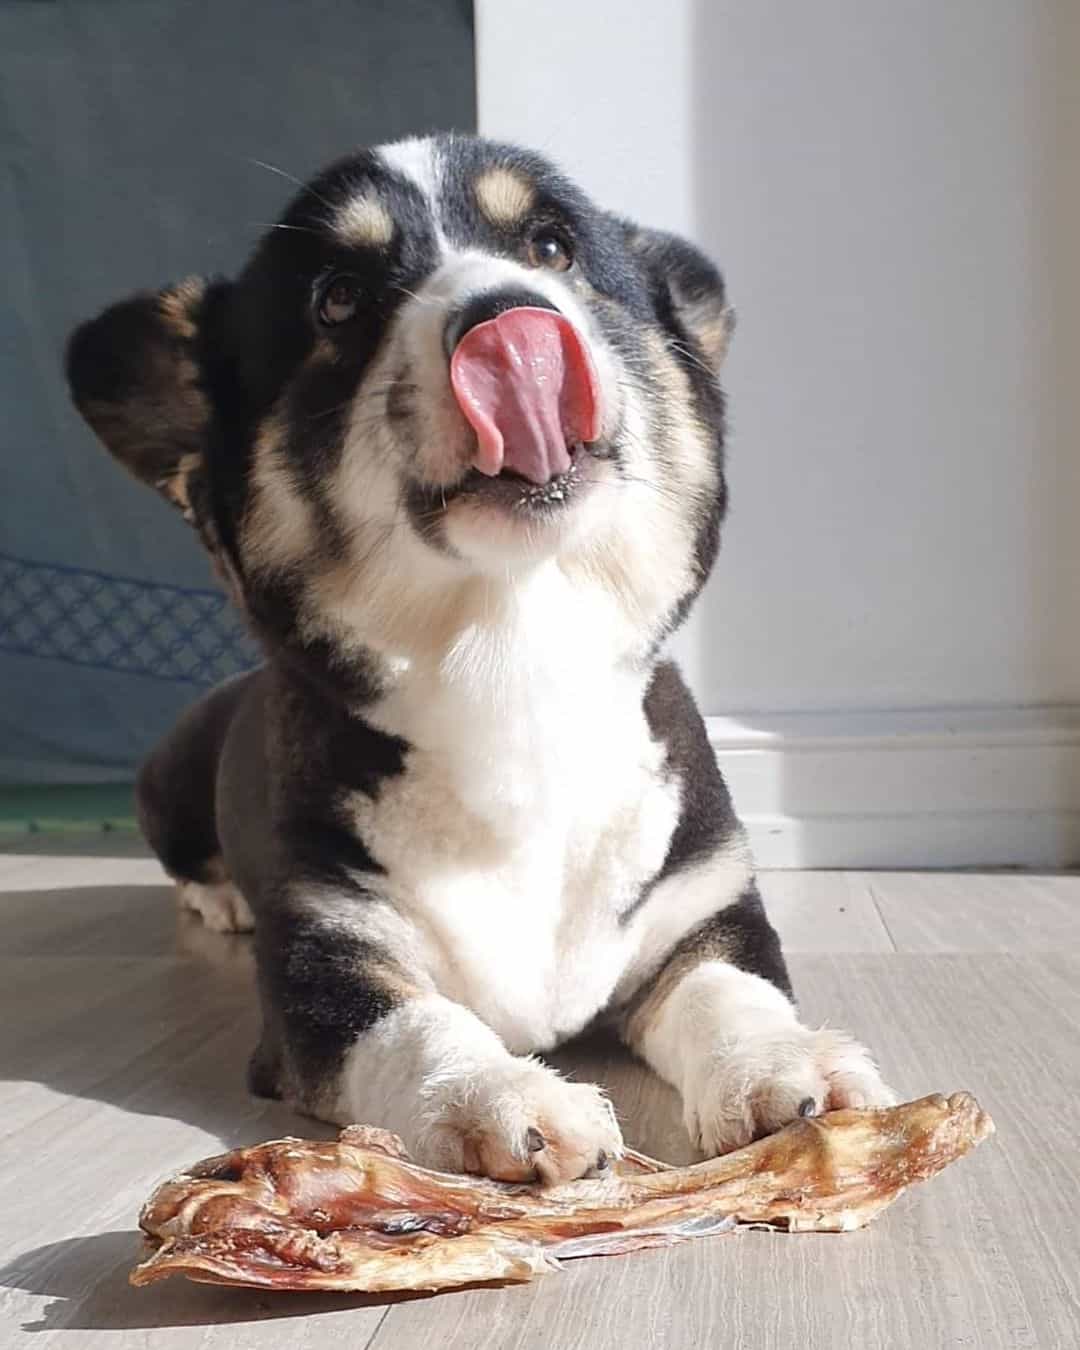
[{"x": 489, "y": 305}]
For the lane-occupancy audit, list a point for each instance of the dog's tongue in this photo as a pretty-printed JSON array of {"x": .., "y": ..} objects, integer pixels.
[{"x": 528, "y": 386}]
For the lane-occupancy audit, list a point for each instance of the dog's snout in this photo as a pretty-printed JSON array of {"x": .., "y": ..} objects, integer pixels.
[{"x": 477, "y": 309}]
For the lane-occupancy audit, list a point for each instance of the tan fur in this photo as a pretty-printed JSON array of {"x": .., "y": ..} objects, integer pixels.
[
  {"x": 644, "y": 566},
  {"x": 278, "y": 530},
  {"x": 142, "y": 430},
  {"x": 176, "y": 304},
  {"x": 324, "y": 353},
  {"x": 365, "y": 220},
  {"x": 177, "y": 486},
  {"x": 168, "y": 410},
  {"x": 504, "y": 196},
  {"x": 713, "y": 331},
  {"x": 708, "y": 947}
]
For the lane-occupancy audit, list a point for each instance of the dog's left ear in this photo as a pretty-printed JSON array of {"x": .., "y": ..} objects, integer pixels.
[
  {"x": 688, "y": 291},
  {"x": 140, "y": 375}
]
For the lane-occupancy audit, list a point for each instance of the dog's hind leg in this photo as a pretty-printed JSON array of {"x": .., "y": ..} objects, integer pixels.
[{"x": 175, "y": 800}]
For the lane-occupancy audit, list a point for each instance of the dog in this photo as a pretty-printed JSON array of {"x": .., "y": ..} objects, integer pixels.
[{"x": 454, "y": 439}]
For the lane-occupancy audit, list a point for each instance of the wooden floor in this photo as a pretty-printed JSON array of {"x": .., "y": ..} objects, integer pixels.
[{"x": 123, "y": 1035}]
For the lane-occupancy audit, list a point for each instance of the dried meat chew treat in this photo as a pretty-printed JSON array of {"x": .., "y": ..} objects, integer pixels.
[{"x": 356, "y": 1214}]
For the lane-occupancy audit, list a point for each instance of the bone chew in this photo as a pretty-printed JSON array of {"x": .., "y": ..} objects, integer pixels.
[{"x": 356, "y": 1214}]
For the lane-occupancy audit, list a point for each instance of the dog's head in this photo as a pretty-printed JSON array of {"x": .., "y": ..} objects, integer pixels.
[{"x": 443, "y": 369}]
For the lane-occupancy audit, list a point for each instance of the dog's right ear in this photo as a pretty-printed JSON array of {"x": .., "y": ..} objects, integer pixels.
[{"x": 139, "y": 375}]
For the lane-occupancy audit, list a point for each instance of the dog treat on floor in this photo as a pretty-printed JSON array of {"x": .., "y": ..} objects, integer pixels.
[{"x": 356, "y": 1214}]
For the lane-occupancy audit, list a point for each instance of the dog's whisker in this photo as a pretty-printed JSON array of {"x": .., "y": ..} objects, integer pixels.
[
  {"x": 690, "y": 356},
  {"x": 292, "y": 178},
  {"x": 278, "y": 225},
  {"x": 420, "y": 299},
  {"x": 327, "y": 412},
  {"x": 374, "y": 395}
]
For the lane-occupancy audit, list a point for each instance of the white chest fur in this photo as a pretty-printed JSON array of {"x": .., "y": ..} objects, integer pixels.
[{"x": 532, "y": 808}]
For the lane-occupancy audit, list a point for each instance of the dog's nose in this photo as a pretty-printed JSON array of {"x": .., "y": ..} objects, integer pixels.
[{"x": 477, "y": 309}]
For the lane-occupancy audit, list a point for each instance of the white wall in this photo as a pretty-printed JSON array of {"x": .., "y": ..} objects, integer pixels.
[{"x": 891, "y": 189}]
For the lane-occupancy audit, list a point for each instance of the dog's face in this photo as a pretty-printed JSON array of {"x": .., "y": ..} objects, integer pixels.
[{"x": 443, "y": 368}]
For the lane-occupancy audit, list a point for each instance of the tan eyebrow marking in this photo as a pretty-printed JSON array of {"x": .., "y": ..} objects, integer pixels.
[
  {"x": 365, "y": 220},
  {"x": 504, "y": 195},
  {"x": 177, "y": 304}
]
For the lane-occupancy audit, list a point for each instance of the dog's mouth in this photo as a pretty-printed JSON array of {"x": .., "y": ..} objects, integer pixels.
[
  {"x": 509, "y": 489},
  {"x": 509, "y": 492},
  {"x": 526, "y": 384}
]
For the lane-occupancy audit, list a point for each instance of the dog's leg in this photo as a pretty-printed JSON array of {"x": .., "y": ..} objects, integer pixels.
[
  {"x": 175, "y": 799},
  {"x": 718, "y": 1022},
  {"x": 365, "y": 1038}
]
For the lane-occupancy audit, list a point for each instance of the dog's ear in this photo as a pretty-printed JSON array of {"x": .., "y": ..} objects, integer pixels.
[
  {"x": 139, "y": 373},
  {"x": 686, "y": 288}
]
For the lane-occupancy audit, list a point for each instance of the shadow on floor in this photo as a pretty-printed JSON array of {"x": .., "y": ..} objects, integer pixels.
[
  {"x": 87, "y": 1279},
  {"x": 110, "y": 994}
]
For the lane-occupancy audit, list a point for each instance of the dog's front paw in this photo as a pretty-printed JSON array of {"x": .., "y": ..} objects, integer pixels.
[
  {"x": 761, "y": 1083},
  {"x": 518, "y": 1122}
]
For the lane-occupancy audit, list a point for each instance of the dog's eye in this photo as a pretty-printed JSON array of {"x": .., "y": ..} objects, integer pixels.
[
  {"x": 550, "y": 249},
  {"x": 339, "y": 301}
]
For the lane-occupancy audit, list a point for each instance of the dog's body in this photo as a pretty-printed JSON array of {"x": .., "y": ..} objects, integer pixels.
[{"x": 454, "y": 439}]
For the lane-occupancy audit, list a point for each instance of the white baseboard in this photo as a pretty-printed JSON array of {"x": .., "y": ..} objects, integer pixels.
[{"x": 990, "y": 787}]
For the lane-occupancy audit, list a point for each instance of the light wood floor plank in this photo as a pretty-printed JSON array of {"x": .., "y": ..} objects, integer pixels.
[
  {"x": 123, "y": 1037},
  {"x": 108, "y": 920},
  {"x": 984, "y": 1257},
  {"x": 46, "y": 873},
  {"x": 151, "y": 1079},
  {"x": 824, "y": 912},
  {"x": 978, "y": 912}
]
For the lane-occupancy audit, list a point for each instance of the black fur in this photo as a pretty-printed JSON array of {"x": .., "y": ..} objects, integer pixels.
[
  {"x": 707, "y": 819},
  {"x": 741, "y": 934},
  {"x": 181, "y": 827},
  {"x": 322, "y": 988}
]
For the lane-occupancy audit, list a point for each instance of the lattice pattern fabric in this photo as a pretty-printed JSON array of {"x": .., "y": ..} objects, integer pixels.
[{"x": 90, "y": 618}]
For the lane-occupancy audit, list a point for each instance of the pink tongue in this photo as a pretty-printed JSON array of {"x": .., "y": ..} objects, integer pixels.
[{"x": 528, "y": 386}]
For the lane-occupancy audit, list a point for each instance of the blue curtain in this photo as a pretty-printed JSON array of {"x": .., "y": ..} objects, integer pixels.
[{"x": 131, "y": 135}]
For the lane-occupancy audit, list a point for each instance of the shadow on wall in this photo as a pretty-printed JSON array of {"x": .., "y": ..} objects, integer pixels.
[
  {"x": 893, "y": 617},
  {"x": 143, "y": 141}
]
